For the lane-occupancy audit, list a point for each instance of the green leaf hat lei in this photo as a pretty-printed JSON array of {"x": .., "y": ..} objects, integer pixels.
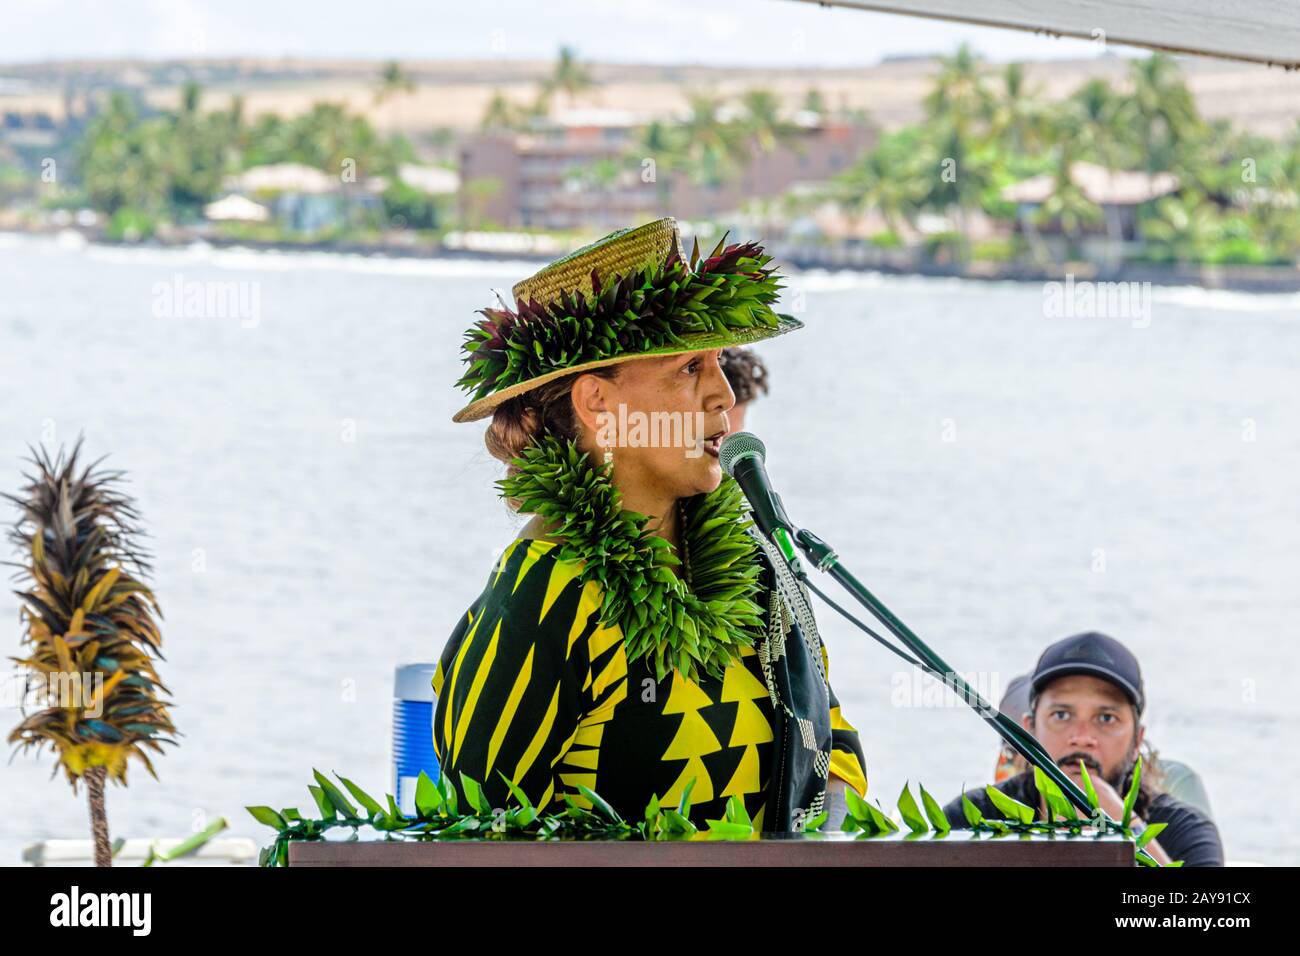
[
  {"x": 632, "y": 293},
  {"x": 633, "y": 313},
  {"x": 693, "y": 625}
]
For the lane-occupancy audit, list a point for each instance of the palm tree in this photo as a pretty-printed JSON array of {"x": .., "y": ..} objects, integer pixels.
[
  {"x": 1092, "y": 121},
  {"x": 958, "y": 95},
  {"x": 236, "y": 133},
  {"x": 90, "y": 629},
  {"x": 1088, "y": 127},
  {"x": 958, "y": 107},
  {"x": 327, "y": 134},
  {"x": 500, "y": 113},
  {"x": 1185, "y": 227},
  {"x": 763, "y": 128},
  {"x": 198, "y": 151},
  {"x": 1277, "y": 213},
  {"x": 713, "y": 147},
  {"x": 392, "y": 80},
  {"x": 883, "y": 180},
  {"x": 269, "y": 141},
  {"x": 569, "y": 76},
  {"x": 956, "y": 174},
  {"x": 190, "y": 95},
  {"x": 814, "y": 102},
  {"x": 538, "y": 109},
  {"x": 1161, "y": 109},
  {"x": 661, "y": 143},
  {"x": 1016, "y": 118},
  {"x": 1068, "y": 204},
  {"x": 761, "y": 122},
  {"x": 123, "y": 159}
]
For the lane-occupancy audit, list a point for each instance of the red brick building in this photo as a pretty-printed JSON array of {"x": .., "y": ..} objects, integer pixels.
[{"x": 581, "y": 170}]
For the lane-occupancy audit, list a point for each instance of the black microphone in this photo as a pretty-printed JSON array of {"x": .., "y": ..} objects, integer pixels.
[{"x": 743, "y": 457}]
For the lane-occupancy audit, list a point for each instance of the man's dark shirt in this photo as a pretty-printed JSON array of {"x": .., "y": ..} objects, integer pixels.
[{"x": 1190, "y": 836}]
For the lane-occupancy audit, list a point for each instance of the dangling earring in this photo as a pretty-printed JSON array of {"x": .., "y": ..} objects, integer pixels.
[{"x": 609, "y": 457}]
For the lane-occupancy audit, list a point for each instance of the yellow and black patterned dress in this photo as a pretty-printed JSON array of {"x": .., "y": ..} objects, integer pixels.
[{"x": 532, "y": 685}]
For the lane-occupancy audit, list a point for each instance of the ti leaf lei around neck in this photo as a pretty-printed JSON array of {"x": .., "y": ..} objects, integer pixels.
[{"x": 697, "y": 627}]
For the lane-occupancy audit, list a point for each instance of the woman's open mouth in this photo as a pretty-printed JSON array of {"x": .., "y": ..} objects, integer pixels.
[{"x": 714, "y": 442}]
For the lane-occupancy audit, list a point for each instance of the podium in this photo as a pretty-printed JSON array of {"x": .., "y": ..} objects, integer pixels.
[{"x": 956, "y": 848}]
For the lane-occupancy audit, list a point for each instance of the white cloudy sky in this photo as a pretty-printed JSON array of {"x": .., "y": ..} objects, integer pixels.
[{"x": 780, "y": 32}]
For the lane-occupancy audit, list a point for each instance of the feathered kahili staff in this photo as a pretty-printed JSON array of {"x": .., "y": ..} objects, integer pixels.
[{"x": 90, "y": 626}]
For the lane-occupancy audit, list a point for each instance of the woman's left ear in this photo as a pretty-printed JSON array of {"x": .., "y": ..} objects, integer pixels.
[{"x": 589, "y": 400}]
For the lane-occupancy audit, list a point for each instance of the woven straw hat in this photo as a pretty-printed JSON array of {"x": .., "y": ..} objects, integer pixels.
[{"x": 633, "y": 294}]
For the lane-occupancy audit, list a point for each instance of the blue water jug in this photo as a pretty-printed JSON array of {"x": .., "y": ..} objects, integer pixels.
[{"x": 413, "y": 705}]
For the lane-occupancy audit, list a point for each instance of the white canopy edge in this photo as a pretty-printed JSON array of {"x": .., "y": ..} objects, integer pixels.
[{"x": 1261, "y": 31}]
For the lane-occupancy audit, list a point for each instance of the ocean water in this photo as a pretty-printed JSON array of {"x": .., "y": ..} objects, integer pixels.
[{"x": 999, "y": 477}]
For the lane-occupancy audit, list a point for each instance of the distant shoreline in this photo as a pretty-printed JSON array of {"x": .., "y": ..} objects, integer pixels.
[
  {"x": 1231, "y": 278},
  {"x": 859, "y": 259}
]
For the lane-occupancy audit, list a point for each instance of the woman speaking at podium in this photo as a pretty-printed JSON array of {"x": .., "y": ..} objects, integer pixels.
[{"x": 639, "y": 636}]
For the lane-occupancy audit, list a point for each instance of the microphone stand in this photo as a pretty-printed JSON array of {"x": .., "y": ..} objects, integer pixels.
[{"x": 824, "y": 558}]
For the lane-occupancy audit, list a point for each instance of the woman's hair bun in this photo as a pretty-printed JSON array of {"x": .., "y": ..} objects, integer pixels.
[
  {"x": 513, "y": 428},
  {"x": 548, "y": 409}
]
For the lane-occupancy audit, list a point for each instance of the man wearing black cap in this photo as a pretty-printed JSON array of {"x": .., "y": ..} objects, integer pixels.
[{"x": 1085, "y": 704}]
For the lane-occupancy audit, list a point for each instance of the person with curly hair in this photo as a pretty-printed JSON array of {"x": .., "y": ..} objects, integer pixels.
[{"x": 747, "y": 376}]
